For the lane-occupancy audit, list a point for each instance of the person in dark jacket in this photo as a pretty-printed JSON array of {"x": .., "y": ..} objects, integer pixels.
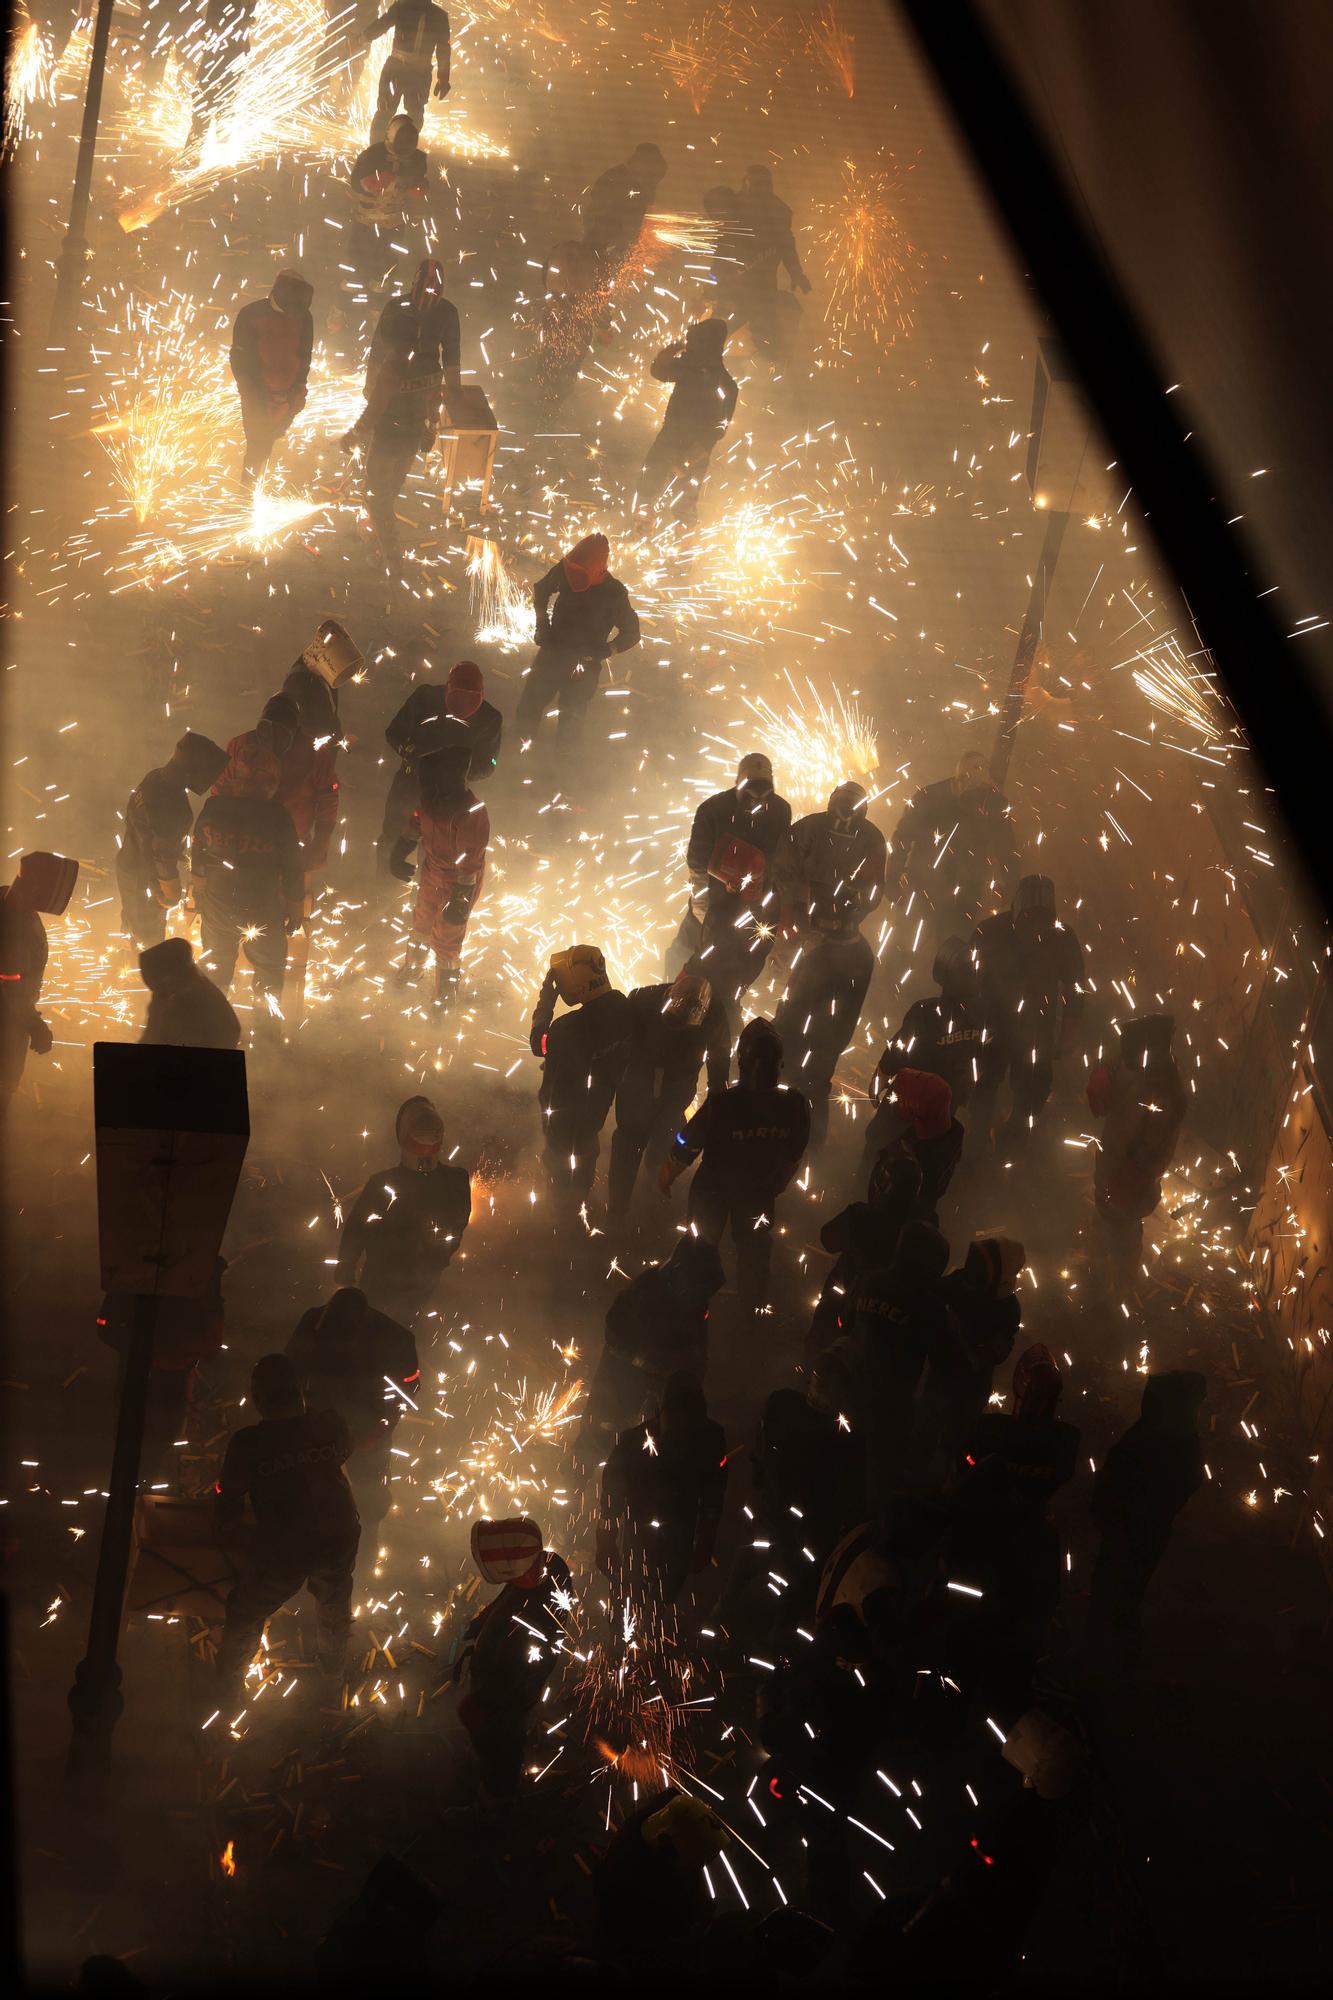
[
  {"x": 860, "y": 1236},
  {"x": 700, "y": 409},
  {"x": 895, "y": 1315},
  {"x": 246, "y": 878},
  {"x": 941, "y": 1035},
  {"x": 453, "y": 831},
  {"x": 289, "y": 1466},
  {"x": 393, "y": 169},
  {"x": 271, "y": 345},
  {"x": 656, "y": 1327},
  {"x": 185, "y": 1010},
  {"x": 673, "y": 1028},
  {"x": 1143, "y": 1099},
  {"x": 407, "y": 1222},
  {"x": 652, "y": 1906},
  {"x": 749, "y": 1141},
  {"x": 766, "y": 246},
  {"x": 736, "y": 839},
  {"x": 434, "y": 329},
  {"x": 661, "y": 1499},
  {"x": 583, "y": 1052},
  {"x": 399, "y": 420},
  {"x": 954, "y": 849},
  {"x": 435, "y": 718},
  {"x": 510, "y": 1649},
  {"x": 1030, "y": 983},
  {"x": 318, "y": 729},
  {"x": 43, "y": 886},
  {"x": 362, "y": 1364},
  {"x": 187, "y": 1333},
  {"x": 420, "y": 44},
  {"x": 583, "y": 615},
  {"x": 157, "y": 826},
  {"x": 928, "y": 1134},
  {"x": 1142, "y": 1485},
  {"x": 616, "y": 204},
  {"x": 983, "y": 1317}
]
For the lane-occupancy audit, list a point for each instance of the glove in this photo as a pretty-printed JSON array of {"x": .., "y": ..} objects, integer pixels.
[
  {"x": 460, "y": 902},
  {"x": 39, "y": 1037},
  {"x": 537, "y": 1041},
  {"x": 442, "y": 87},
  {"x": 399, "y": 865},
  {"x": 608, "y": 1550},
  {"x": 703, "y": 1549},
  {"x": 667, "y": 1175}
]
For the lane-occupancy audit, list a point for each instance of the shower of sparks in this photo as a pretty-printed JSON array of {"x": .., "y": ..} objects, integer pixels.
[
  {"x": 718, "y": 46},
  {"x": 238, "y": 526},
  {"x": 834, "y": 46},
  {"x": 1165, "y": 675},
  {"x": 872, "y": 268},
  {"x": 350, "y": 107},
  {"x": 817, "y": 742},
  {"x": 29, "y": 78},
  {"x": 501, "y": 606}
]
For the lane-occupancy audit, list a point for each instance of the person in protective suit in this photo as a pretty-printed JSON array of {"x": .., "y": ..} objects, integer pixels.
[
  {"x": 1143, "y": 1099},
  {"x": 157, "y": 826},
  {"x": 859, "y": 1237},
  {"x": 583, "y": 615},
  {"x": 655, "y": 1328},
  {"x": 289, "y": 1466},
  {"x": 1142, "y": 1485},
  {"x": 1030, "y": 985},
  {"x": 954, "y": 847},
  {"x": 42, "y": 887},
  {"x": 392, "y": 170},
  {"x": 407, "y": 1222},
  {"x": 399, "y": 420},
  {"x": 616, "y": 204},
  {"x": 434, "y": 329},
  {"x": 766, "y": 246},
  {"x": 749, "y": 1141},
  {"x": 510, "y": 1649},
  {"x": 983, "y": 1317},
  {"x": 735, "y": 838},
  {"x": 583, "y": 1054},
  {"x": 453, "y": 829},
  {"x": 436, "y": 718},
  {"x": 701, "y": 407},
  {"x": 271, "y": 344},
  {"x": 362, "y": 1364},
  {"x": 185, "y": 1010},
  {"x": 420, "y": 44},
  {"x": 246, "y": 878},
  {"x": 895, "y": 1315},
  {"x": 1004, "y": 1542},
  {"x": 831, "y": 878},
  {"x": 940, "y": 1035},
  {"x": 312, "y": 687},
  {"x": 928, "y": 1134},
  {"x": 673, "y": 1028},
  {"x": 661, "y": 1497}
]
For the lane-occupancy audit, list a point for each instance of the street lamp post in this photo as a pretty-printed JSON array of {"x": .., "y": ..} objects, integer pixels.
[{"x": 74, "y": 250}]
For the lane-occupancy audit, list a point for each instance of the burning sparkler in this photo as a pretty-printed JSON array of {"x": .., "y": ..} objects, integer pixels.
[
  {"x": 29, "y": 76},
  {"x": 817, "y": 743},
  {"x": 871, "y": 265},
  {"x": 718, "y": 46},
  {"x": 1186, "y": 693},
  {"x": 834, "y": 46}
]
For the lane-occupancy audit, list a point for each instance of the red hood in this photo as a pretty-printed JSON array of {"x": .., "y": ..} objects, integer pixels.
[
  {"x": 587, "y": 563},
  {"x": 463, "y": 693},
  {"x": 926, "y": 1101}
]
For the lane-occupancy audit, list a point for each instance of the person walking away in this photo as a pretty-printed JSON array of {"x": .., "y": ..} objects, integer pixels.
[
  {"x": 510, "y": 1649},
  {"x": 673, "y": 1029},
  {"x": 271, "y": 344},
  {"x": 453, "y": 830},
  {"x": 698, "y": 415},
  {"x": 157, "y": 823},
  {"x": 420, "y": 44},
  {"x": 42, "y": 887},
  {"x": 246, "y": 879},
  {"x": 185, "y": 1010}
]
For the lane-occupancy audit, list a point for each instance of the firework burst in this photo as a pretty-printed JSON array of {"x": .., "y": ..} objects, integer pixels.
[
  {"x": 1166, "y": 675},
  {"x": 29, "y": 78},
  {"x": 833, "y": 46},
  {"x": 872, "y": 267},
  {"x": 716, "y": 48}
]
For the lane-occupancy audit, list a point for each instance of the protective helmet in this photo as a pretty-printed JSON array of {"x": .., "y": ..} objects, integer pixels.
[
  {"x": 687, "y": 1831},
  {"x": 203, "y": 760},
  {"x": 1037, "y": 1384},
  {"x": 847, "y": 801},
  {"x": 442, "y": 776},
  {"x": 402, "y": 134},
  {"x": 953, "y": 969},
  {"x": 291, "y": 293},
  {"x": 993, "y": 1263},
  {"x": 759, "y": 1054},
  {"x": 708, "y": 336},
  {"x": 464, "y": 689},
  {"x": 759, "y": 180},
  {"x": 1034, "y": 896},
  {"x": 579, "y": 974},
  {"x": 925, "y": 1100},
  {"x": 688, "y": 1001},
  {"x": 48, "y": 881},
  {"x": 754, "y": 774},
  {"x": 419, "y": 1128},
  {"x": 971, "y": 773},
  {"x": 508, "y": 1551},
  {"x": 333, "y": 654},
  {"x": 587, "y": 562},
  {"x": 162, "y": 963},
  {"x": 428, "y": 283}
]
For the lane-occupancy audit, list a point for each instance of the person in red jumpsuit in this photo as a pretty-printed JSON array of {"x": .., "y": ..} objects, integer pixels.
[
  {"x": 271, "y": 344},
  {"x": 453, "y": 831}
]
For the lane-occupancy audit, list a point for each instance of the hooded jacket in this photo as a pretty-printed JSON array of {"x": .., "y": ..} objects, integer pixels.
[
  {"x": 271, "y": 350},
  {"x": 425, "y": 722},
  {"x": 244, "y": 854},
  {"x": 833, "y": 878},
  {"x": 185, "y": 1009},
  {"x": 583, "y": 610},
  {"x": 664, "y": 1060},
  {"x": 703, "y": 393}
]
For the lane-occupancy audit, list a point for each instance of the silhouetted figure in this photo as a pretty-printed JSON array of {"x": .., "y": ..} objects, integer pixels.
[
  {"x": 736, "y": 839},
  {"x": 655, "y": 1328},
  {"x": 407, "y": 1222},
  {"x": 362, "y": 1364},
  {"x": 673, "y": 1029},
  {"x": 940, "y": 1035},
  {"x": 954, "y": 851},
  {"x": 662, "y": 1492},
  {"x": 185, "y": 1010},
  {"x": 246, "y": 877},
  {"x": 616, "y": 204},
  {"x": 702, "y": 404},
  {"x": 1142, "y": 1485},
  {"x": 583, "y": 616},
  {"x": 436, "y": 718},
  {"x": 1030, "y": 982},
  {"x": 583, "y": 1052},
  {"x": 510, "y": 1649},
  {"x": 453, "y": 831},
  {"x": 1143, "y": 1099},
  {"x": 43, "y": 886},
  {"x": 420, "y": 44},
  {"x": 271, "y": 345},
  {"x": 158, "y": 819}
]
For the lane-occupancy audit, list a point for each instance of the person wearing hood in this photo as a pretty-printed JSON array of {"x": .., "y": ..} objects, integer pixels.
[
  {"x": 727, "y": 931},
  {"x": 1142, "y": 1485},
  {"x": 312, "y": 688},
  {"x": 661, "y": 1500},
  {"x": 434, "y": 330},
  {"x": 700, "y": 409},
  {"x": 1004, "y": 1542},
  {"x": 749, "y": 1141},
  {"x": 510, "y": 1649},
  {"x": 185, "y": 1010},
  {"x": 652, "y": 1907},
  {"x": 399, "y": 420},
  {"x": 834, "y": 869},
  {"x": 453, "y": 830},
  {"x": 437, "y": 718},
  {"x": 673, "y": 1028},
  {"x": 953, "y": 851},
  {"x": 861, "y": 1236},
  {"x": 246, "y": 878},
  {"x": 616, "y": 204},
  {"x": 1030, "y": 983},
  {"x": 583, "y": 615},
  {"x": 928, "y": 1134},
  {"x": 767, "y": 248},
  {"x": 157, "y": 825},
  {"x": 895, "y": 1314},
  {"x": 941, "y": 1035},
  {"x": 362, "y": 1364},
  {"x": 42, "y": 887},
  {"x": 271, "y": 344},
  {"x": 1143, "y": 1100},
  {"x": 655, "y": 1328},
  {"x": 983, "y": 1317},
  {"x": 406, "y": 1223},
  {"x": 393, "y": 168},
  {"x": 583, "y": 1052},
  {"x": 420, "y": 44}
]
